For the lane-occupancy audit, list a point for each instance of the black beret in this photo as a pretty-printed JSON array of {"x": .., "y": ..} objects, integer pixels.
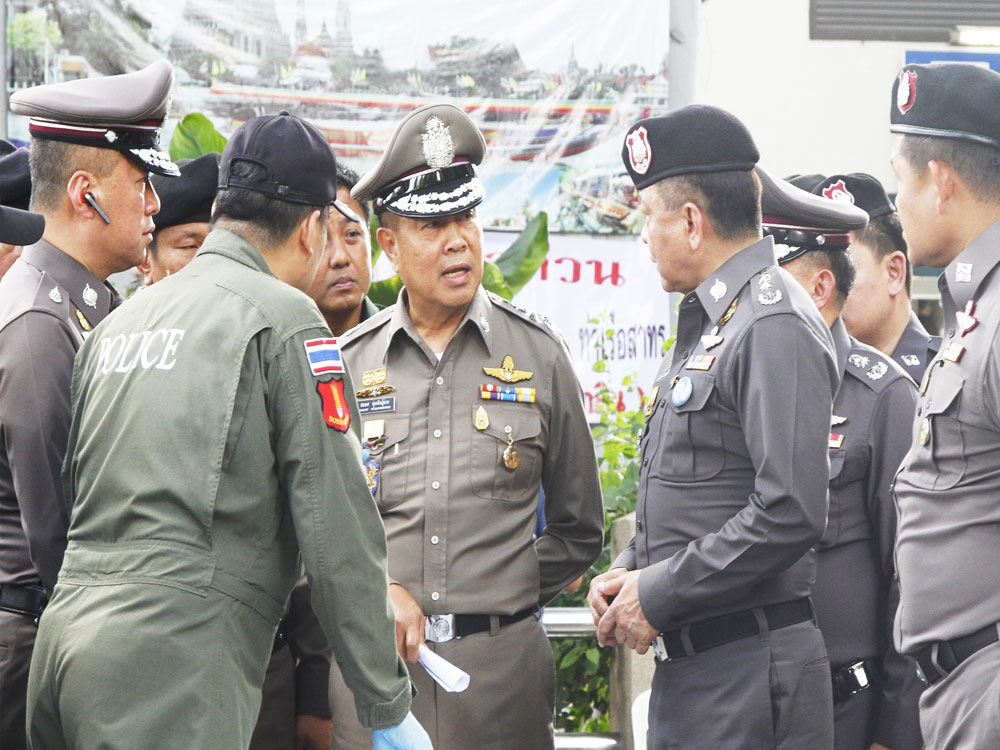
[
  {"x": 187, "y": 199},
  {"x": 15, "y": 178},
  {"x": 947, "y": 100},
  {"x": 858, "y": 188},
  {"x": 690, "y": 140},
  {"x": 800, "y": 221}
]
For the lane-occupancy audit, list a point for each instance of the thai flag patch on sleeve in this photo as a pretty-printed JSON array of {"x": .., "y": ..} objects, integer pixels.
[{"x": 324, "y": 356}]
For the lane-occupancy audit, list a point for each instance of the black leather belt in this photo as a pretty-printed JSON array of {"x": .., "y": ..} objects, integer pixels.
[
  {"x": 23, "y": 600},
  {"x": 735, "y": 626},
  {"x": 937, "y": 660},
  {"x": 280, "y": 636},
  {"x": 440, "y": 628},
  {"x": 851, "y": 679}
]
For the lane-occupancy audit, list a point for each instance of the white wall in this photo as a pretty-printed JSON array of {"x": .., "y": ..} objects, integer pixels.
[{"x": 812, "y": 106}]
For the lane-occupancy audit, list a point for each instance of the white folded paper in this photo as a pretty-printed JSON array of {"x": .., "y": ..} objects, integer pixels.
[{"x": 445, "y": 674}]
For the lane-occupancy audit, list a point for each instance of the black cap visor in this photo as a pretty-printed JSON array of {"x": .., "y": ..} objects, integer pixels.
[{"x": 19, "y": 227}]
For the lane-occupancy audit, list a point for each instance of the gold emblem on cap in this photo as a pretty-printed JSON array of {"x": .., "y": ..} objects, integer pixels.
[
  {"x": 482, "y": 420},
  {"x": 506, "y": 371},
  {"x": 438, "y": 147},
  {"x": 373, "y": 377}
]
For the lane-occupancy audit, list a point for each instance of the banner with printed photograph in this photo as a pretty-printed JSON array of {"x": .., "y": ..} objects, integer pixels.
[{"x": 553, "y": 86}]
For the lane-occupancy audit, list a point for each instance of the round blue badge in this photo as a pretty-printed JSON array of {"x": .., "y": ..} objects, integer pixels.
[{"x": 681, "y": 392}]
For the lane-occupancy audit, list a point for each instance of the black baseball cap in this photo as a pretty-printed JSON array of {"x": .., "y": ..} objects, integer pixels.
[
  {"x": 15, "y": 177},
  {"x": 300, "y": 167},
  {"x": 187, "y": 199}
]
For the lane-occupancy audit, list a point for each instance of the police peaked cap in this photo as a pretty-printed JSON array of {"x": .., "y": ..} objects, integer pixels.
[
  {"x": 691, "y": 140},
  {"x": 947, "y": 100},
  {"x": 429, "y": 166},
  {"x": 123, "y": 113},
  {"x": 800, "y": 221},
  {"x": 188, "y": 199}
]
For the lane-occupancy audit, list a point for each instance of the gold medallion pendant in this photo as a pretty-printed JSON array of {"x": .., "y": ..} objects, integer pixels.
[{"x": 510, "y": 457}]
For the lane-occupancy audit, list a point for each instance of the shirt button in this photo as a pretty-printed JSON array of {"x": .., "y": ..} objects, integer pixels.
[
  {"x": 435, "y": 596},
  {"x": 684, "y": 354},
  {"x": 437, "y": 433},
  {"x": 951, "y": 333},
  {"x": 439, "y": 381},
  {"x": 436, "y": 485},
  {"x": 645, "y": 461},
  {"x": 690, "y": 299},
  {"x": 434, "y": 539},
  {"x": 638, "y": 525}
]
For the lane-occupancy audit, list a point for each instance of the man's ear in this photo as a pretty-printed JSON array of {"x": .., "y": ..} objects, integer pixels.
[
  {"x": 387, "y": 241},
  {"x": 894, "y": 267},
  {"x": 311, "y": 231},
  {"x": 145, "y": 268},
  {"x": 943, "y": 176},
  {"x": 695, "y": 219},
  {"x": 823, "y": 287},
  {"x": 80, "y": 183}
]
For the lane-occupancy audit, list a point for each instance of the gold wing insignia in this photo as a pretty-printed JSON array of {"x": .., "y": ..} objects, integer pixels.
[{"x": 506, "y": 371}]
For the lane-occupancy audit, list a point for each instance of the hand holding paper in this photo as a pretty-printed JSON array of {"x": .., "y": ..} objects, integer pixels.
[{"x": 446, "y": 674}]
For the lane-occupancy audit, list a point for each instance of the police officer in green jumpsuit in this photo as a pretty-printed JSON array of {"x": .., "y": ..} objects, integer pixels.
[{"x": 214, "y": 439}]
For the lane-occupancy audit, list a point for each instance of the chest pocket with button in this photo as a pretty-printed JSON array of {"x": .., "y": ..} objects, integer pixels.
[
  {"x": 847, "y": 467},
  {"x": 392, "y": 462},
  {"x": 490, "y": 477},
  {"x": 939, "y": 462},
  {"x": 690, "y": 448}
]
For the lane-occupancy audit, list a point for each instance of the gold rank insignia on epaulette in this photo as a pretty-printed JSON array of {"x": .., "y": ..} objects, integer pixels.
[
  {"x": 492, "y": 392},
  {"x": 506, "y": 371},
  {"x": 84, "y": 323}
]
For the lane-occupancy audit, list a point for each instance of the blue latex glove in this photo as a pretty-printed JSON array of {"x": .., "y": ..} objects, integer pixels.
[{"x": 407, "y": 735}]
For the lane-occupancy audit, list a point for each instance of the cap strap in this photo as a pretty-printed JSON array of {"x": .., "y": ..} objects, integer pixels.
[{"x": 421, "y": 180}]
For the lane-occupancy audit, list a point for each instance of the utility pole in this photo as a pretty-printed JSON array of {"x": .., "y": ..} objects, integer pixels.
[{"x": 684, "y": 18}]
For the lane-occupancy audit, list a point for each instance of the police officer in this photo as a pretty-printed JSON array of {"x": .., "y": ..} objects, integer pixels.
[
  {"x": 93, "y": 147},
  {"x": 183, "y": 221},
  {"x": 175, "y": 577},
  {"x": 875, "y": 689},
  {"x": 945, "y": 156},
  {"x": 469, "y": 405},
  {"x": 878, "y": 311},
  {"x": 15, "y": 193},
  {"x": 733, "y": 484}
]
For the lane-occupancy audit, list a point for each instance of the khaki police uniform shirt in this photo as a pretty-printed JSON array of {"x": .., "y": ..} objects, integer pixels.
[
  {"x": 854, "y": 593},
  {"x": 733, "y": 484},
  {"x": 458, "y": 520},
  {"x": 205, "y": 454},
  {"x": 48, "y": 303},
  {"x": 947, "y": 490},
  {"x": 915, "y": 348}
]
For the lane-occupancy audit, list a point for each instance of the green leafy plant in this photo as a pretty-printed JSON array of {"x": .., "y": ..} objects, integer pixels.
[
  {"x": 582, "y": 668},
  {"x": 195, "y": 135}
]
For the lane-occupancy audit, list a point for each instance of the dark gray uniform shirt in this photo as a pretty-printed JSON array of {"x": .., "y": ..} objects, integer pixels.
[
  {"x": 854, "y": 593},
  {"x": 733, "y": 484},
  {"x": 948, "y": 544},
  {"x": 915, "y": 348},
  {"x": 48, "y": 303}
]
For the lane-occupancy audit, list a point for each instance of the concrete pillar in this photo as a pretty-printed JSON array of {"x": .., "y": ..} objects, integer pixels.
[{"x": 684, "y": 19}]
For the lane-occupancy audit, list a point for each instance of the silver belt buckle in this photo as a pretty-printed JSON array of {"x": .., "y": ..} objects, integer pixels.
[
  {"x": 660, "y": 649},
  {"x": 439, "y": 628}
]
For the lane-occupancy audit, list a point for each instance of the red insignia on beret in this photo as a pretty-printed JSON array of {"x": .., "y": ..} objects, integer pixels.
[
  {"x": 838, "y": 192},
  {"x": 639, "y": 153},
  {"x": 907, "y": 91},
  {"x": 336, "y": 413}
]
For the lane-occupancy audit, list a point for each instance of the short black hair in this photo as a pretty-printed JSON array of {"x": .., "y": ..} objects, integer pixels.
[
  {"x": 837, "y": 262},
  {"x": 977, "y": 164},
  {"x": 348, "y": 178},
  {"x": 268, "y": 219},
  {"x": 730, "y": 199},
  {"x": 884, "y": 235},
  {"x": 52, "y": 163}
]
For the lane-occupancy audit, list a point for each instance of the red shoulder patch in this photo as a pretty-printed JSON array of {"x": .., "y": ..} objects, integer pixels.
[{"x": 336, "y": 413}]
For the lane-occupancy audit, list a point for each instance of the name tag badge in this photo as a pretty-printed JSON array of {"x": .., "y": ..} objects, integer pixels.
[{"x": 376, "y": 405}]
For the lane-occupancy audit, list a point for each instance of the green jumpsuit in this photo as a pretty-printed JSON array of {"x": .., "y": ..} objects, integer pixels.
[{"x": 209, "y": 448}]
